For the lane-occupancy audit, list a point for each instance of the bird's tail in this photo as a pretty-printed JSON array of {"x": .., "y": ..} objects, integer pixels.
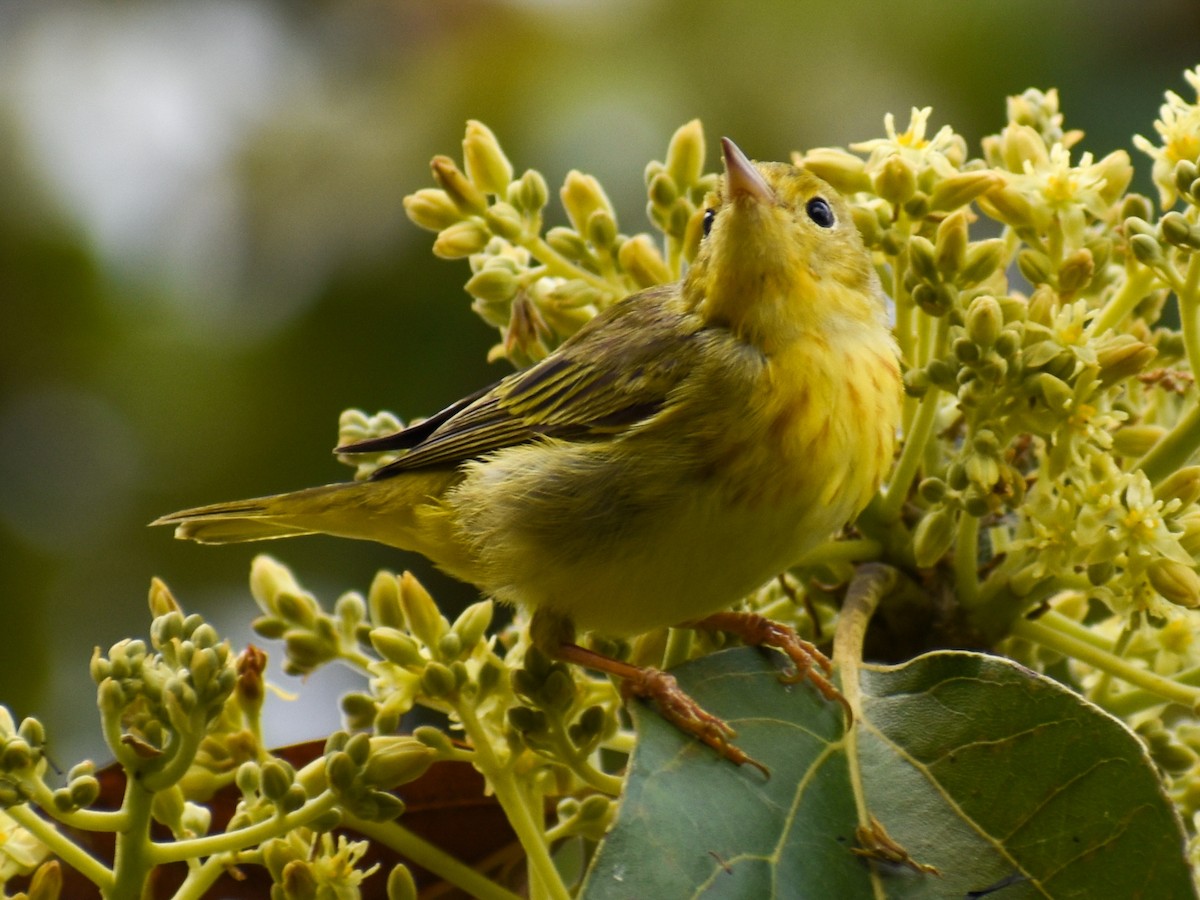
[{"x": 403, "y": 512}]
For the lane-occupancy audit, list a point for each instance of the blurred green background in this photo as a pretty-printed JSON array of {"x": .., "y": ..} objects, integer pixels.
[{"x": 204, "y": 258}]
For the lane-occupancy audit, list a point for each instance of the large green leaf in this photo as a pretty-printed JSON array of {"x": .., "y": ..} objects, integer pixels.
[{"x": 1006, "y": 782}]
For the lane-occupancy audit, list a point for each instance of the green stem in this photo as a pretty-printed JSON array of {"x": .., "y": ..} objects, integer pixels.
[
  {"x": 201, "y": 878},
  {"x": 63, "y": 847},
  {"x": 250, "y": 836},
  {"x": 910, "y": 457},
  {"x": 557, "y": 264},
  {"x": 1175, "y": 447},
  {"x": 1121, "y": 304},
  {"x": 428, "y": 856},
  {"x": 853, "y": 550},
  {"x": 1132, "y": 702},
  {"x": 679, "y": 647},
  {"x": 966, "y": 560},
  {"x": 1039, "y": 632},
  {"x": 508, "y": 793},
  {"x": 134, "y": 856}
]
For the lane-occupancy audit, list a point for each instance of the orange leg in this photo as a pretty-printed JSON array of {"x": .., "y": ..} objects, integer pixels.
[
  {"x": 759, "y": 631},
  {"x": 673, "y": 703}
]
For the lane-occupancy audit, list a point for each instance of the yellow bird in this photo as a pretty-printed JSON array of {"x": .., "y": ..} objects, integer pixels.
[{"x": 685, "y": 446}]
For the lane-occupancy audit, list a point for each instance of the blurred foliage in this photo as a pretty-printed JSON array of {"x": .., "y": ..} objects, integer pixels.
[{"x": 204, "y": 257}]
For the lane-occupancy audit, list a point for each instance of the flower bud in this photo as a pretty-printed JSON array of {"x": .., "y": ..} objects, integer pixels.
[
  {"x": 503, "y": 220},
  {"x": 1122, "y": 356},
  {"x": 1147, "y": 250},
  {"x": 960, "y": 188},
  {"x": 568, "y": 243},
  {"x": 461, "y": 240},
  {"x": 602, "y": 229},
  {"x": 487, "y": 166},
  {"x": 642, "y": 261},
  {"x": 1117, "y": 172},
  {"x": 685, "y": 154},
  {"x": 982, "y": 258},
  {"x": 268, "y": 579},
  {"x": 529, "y": 193},
  {"x": 895, "y": 181},
  {"x": 396, "y": 760},
  {"x": 844, "y": 171},
  {"x": 934, "y": 534},
  {"x": 400, "y": 884},
  {"x": 1034, "y": 265},
  {"x": 581, "y": 196},
  {"x": 437, "y": 680},
  {"x": 984, "y": 321},
  {"x": 468, "y": 198},
  {"x": 161, "y": 599},
  {"x": 495, "y": 284},
  {"x": 1008, "y": 205},
  {"x": 1175, "y": 581},
  {"x": 383, "y": 600},
  {"x": 421, "y": 613},
  {"x": 950, "y": 250},
  {"x": 473, "y": 623},
  {"x": 1135, "y": 441},
  {"x": 397, "y": 647},
  {"x": 1182, "y": 485},
  {"x": 922, "y": 258},
  {"x": 432, "y": 209},
  {"x": 1076, "y": 271}
]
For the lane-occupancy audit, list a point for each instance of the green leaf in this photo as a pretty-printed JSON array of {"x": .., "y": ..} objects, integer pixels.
[{"x": 1010, "y": 784}]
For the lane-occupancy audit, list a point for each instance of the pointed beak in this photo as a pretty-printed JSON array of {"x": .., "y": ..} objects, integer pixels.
[{"x": 742, "y": 179}]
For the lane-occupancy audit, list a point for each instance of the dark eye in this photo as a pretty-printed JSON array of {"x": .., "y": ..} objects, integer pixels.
[
  {"x": 819, "y": 211},
  {"x": 709, "y": 215}
]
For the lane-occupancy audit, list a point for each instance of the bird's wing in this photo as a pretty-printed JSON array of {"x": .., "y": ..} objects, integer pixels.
[{"x": 615, "y": 372}]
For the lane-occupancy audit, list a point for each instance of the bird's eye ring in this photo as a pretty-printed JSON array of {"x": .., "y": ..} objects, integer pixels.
[
  {"x": 709, "y": 215},
  {"x": 821, "y": 212}
]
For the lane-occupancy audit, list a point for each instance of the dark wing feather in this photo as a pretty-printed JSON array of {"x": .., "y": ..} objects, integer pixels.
[{"x": 616, "y": 371}]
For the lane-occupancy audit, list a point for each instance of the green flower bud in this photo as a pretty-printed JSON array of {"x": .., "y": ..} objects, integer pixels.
[
  {"x": 916, "y": 382},
  {"x": 1007, "y": 205},
  {"x": 950, "y": 250},
  {"x": 982, "y": 258},
  {"x": 397, "y": 760},
  {"x": 397, "y": 647},
  {"x": 1122, "y": 356},
  {"x": 162, "y": 601},
  {"x": 468, "y": 198},
  {"x": 47, "y": 881},
  {"x": 437, "y": 680},
  {"x": 589, "y": 727},
  {"x": 917, "y": 206},
  {"x": 642, "y": 261},
  {"x": 1147, "y": 250},
  {"x": 449, "y": 646},
  {"x": 922, "y": 258},
  {"x": 960, "y": 188},
  {"x": 461, "y": 240},
  {"x": 268, "y": 579},
  {"x": 494, "y": 284},
  {"x": 1056, "y": 393},
  {"x": 383, "y": 600},
  {"x": 1100, "y": 573},
  {"x": 473, "y": 623},
  {"x": 340, "y": 772},
  {"x": 400, "y": 884},
  {"x": 529, "y": 194},
  {"x": 1189, "y": 540},
  {"x": 359, "y": 710},
  {"x": 568, "y": 243},
  {"x": 1175, "y": 581},
  {"x": 299, "y": 882},
  {"x": 933, "y": 537},
  {"x": 305, "y": 651},
  {"x": 270, "y": 627},
  {"x": 1182, "y": 485},
  {"x": 984, "y": 321},
  {"x": 895, "y": 181},
  {"x": 1185, "y": 174},
  {"x": 1076, "y": 271},
  {"x": 965, "y": 350},
  {"x": 1135, "y": 441},
  {"x": 932, "y": 490},
  {"x": 662, "y": 191},
  {"x": 487, "y": 166},
  {"x": 845, "y": 171},
  {"x": 327, "y": 821},
  {"x": 504, "y": 221},
  {"x": 581, "y": 196},
  {"x": 1034, "y": 265},
  {"x": 247, "y": 778},
  {"x": 275, "y": 777},
  {"x": 435, "y": 739},
  {"x": 424, "y": 620},
  {"x": 602, "y": 229},
  {"x": 527, "y": 721},
  {"x": 432, "y": 209},
  {"x": 685, "y": 154},
  {"x": 1117, "y": 172}
]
